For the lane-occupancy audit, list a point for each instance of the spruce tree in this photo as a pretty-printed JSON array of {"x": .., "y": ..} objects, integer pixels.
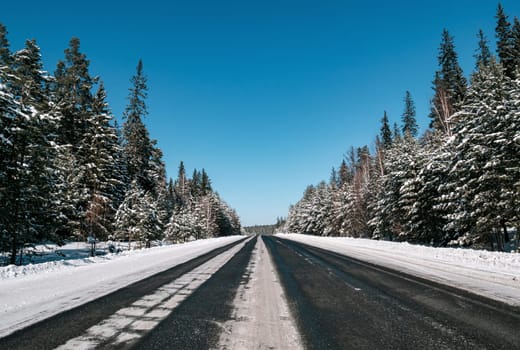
[
  {"x": 205, "y": 183},
  {"x": 5, "y": 53},
  {"x": 482, "y": 54},
  {"x": 144, "y": 167},
  {"x": 72, "y": 93},
  {"x": 100, "y": 149},
  {"x": 449, "y": 86},
  {"x": 137, "y": 146},
  {"x": 396, "y": 134},
  {"x": 485, "y": 173},
  {"x": 344, "y": 173},
  {"x": 410, "y": 126},
  {"x": 385, "y": 133},
  {"x": 27, "y": 181},
  {"x": 181, "y": 185},
  {"x": 516, "y": 44},
  {"x": 505, "y": 44}
]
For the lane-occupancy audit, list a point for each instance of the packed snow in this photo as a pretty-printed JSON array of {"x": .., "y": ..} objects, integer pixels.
[
  {"x": 31, "y": 293},
  {"x": 261, "y": 318},
  {"x": 127, "y": 325},
  {"x": 495, "y": 275}
]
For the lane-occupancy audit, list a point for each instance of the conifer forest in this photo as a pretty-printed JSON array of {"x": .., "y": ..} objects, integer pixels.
[
  {"x": 68, "y": 172},
  {"x": 458, "y": 183}
]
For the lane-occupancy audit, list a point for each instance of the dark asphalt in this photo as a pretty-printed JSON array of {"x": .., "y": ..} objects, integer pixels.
[
  {"x": 56, "y": 330},
  {"x": 343, "y": 303},
  {"x": 197, "y": 323}
]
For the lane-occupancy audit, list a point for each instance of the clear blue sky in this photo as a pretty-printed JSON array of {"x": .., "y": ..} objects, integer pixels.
[{"x": 267, "y": 96}]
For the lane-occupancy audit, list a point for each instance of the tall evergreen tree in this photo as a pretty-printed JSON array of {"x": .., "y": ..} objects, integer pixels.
[
  {"x": 344, "y": 173},
  {"x": 27, "y": 181},
  {"x": 449, "y": 86},
  {"x": 181, "y": 185},
  {"x": 482, "y": 54},
  {"x": 410, "y": 127},
  {"x": 5, "y": 53},
  {"x": 385, "y": 133},
  {"x": 485, "y": 172},
  {"x": 137, "y": 146},
  {"x": 205, "y": 183},
  {"x": 516, "y": 44},
  {"x": 73, "y": 94},
  {"x": 396, "y": 134},
  {"x": 505, "y": 43},
  {"x": 100, "y": 149}
]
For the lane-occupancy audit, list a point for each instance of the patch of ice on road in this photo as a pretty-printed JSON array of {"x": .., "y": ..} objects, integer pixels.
[
  {"x": 261, "y": 317},
  {"x": 495, "y": 275}
]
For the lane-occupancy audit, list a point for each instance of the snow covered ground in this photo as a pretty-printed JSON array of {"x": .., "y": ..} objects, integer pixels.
[
  {"x": 41, "y": 253},
  {"x": 494, "y": 275},
  {"x": 261, "y": 317},
  {"x": 31, "y": 293}
]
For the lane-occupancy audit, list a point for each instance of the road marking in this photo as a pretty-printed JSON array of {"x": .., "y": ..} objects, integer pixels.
[{"x": 129, "y": 324}]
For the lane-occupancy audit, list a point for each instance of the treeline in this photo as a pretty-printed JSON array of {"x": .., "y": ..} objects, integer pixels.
[
  {"x": 68, "y": 171},
  {"x": 265, "y": 229},
  {"x": 457, "y": 184}
]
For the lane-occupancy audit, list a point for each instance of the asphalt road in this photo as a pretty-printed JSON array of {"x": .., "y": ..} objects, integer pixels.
[
  {"x": 57, "y": 330},
  {"x": 337, "y": 303},
  {"x": 343, "y": 303}
]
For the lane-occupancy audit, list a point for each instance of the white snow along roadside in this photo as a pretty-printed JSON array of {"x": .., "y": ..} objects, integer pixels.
[
  {"x": 261, "y": 317},
  {"x": 494, "y": 275},
  {"x": 27, "y": 299},
  {"x": 129, "y": 324}
]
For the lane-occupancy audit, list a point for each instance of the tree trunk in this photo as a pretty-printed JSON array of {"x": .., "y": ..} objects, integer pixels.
[
  {"x": 20, "y": 260},
  {"x": 506, "y": 234},
  {"x": 14, "y": 250}
]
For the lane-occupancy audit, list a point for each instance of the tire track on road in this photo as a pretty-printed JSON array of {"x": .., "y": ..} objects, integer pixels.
[
  {"x": 344, "y": 303},
  {"x": 57, "y": 330}
]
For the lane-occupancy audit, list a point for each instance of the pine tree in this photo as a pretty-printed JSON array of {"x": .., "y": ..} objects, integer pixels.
[
  {"x": 5, "y": 53},
  {"x": 485, "y": 173},
  {"x": 396, "y": 134},
  {"x": 482, "y": 54},
  {"x": 137, "y": 146},
  {"x": 181, "y": 186},
  {"x": 388, "y": 219},
  {"x": 205, "y": 183},
  {"x": 449, "y": 86},
  {"x": 99, "y": 150},
  {"x": 385, "y": 133},
  {"x": 358, "y": 197},
  {"x": 27, "y": 180},
  {"x": 410, "y": 126},
  {"x": 344, "y": 174},
  {"x": 505, "y": 44},
  {"x": 72, "y": 93},
  {"x": 516, "y": 44},
  {"x": 423, "y": 221},
  {"x": 195, "y": 183}
]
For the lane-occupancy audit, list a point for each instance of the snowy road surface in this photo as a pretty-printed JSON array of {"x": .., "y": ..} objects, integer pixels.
[
  {"x": 261, "y": 317},
  {"x": 344, "y": 303},
  {"x": 261, "y": 293},
  {"x": 31, "y": 293},
  {"x": 494, "y": 275}
]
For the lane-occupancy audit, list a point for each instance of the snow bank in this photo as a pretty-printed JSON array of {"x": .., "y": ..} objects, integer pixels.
[
  {"x": 494, "y": 275},
  {"x": 34, "y": 292},
  {"x": 77, "y": 255}
]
